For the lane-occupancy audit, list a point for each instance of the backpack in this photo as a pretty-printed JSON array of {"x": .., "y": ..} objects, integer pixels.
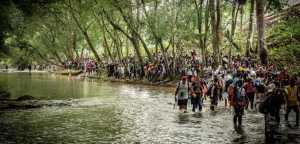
[
  {"x": 214, "y": 90},
  {"x": 265, "y": 106},
  {"x": 209, "y": 89},
  {"x": 279, "y": 94},
  {"x": 240, "y": 96},
  {"x": 231, "y": 90},
  {"x": 183, "y": 90},
  {"x": 227, "y": 83},
  {"x": 250, "y": 87},
  {"x": 260, "y": 88},
  {"x": 197, "y": 87}
]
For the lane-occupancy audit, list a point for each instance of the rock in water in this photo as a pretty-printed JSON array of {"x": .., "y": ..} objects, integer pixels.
[
  {"x": 26, "y": 97},
  {"x": 4, "y": 95}
]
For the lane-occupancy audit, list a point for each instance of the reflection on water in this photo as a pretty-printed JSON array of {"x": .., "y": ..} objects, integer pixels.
[
  {"x": 183, "y": 118},
  {"x": 114, "y": 113}
]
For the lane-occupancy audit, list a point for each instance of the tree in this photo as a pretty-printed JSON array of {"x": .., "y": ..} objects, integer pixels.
[
  {"x": 215, "y": 14},
  {"x": 263, "y": 53},
  {"x": 250, "y": 29},
  {"x": 132, "y": 22},
  {"x": 200, "y": 20},
  {"x": 83, "y": 29}
]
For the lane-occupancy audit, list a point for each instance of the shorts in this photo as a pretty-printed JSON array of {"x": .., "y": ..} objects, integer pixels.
[
  {"x": 182, "y": 102},
  {"x": 225, "y": 95},
  {"x": 238, "y": 110}
]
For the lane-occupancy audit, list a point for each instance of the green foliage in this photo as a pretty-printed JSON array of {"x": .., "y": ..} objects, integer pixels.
[
  {"x": 42, "y": 29},
  {"x": 276, "y": 4},
  {"x": 284, "y": 43}
]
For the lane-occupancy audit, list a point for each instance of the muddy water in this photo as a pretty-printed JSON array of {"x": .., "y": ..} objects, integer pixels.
[{"x": 114, "y": 113}]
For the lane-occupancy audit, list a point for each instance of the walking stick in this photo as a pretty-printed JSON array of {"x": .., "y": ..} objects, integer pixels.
[{"x": 175, "y": 102}]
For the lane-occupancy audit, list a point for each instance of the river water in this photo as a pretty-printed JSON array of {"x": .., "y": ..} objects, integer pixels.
[{"x": 114, "y": 113}]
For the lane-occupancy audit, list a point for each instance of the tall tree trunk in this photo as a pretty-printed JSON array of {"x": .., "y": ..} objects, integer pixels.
[
  {"x": 56, "y": 55},
  {"x": 213, "y": 29},
  {"x": 135, "y": 43},
  {"x": 214, "y": 13},
  {"x": 218, "y": 31},
  {"x": 234, "y": 14},
  {"x": 118, "y": 46},
  {"x": 89, "y": 42},
  {"x": 137, "y": 29},
  {"x": 66, "y": 52},
  {"x": 173, "y": 47},
  {"x": 74, "y": 44},
  {"x": 156, "y": 47},
  {"x": 133, "y": 40},
  {"x": 241, "y": 17},
  {"x": 133, "y": 25},
  {"x": 199, "y": 8},
  {"x": 127, "y": 48},
  {"x": 241, "y": 23},
  {"x": 158, "y": 39},
  {"x": 70, "y": 47},
  {"x": 263, "y": 53},
  {"x": 250, "y": 29},
  {"x": 46, "y": 59},
  {"x": 106, "y": 46},
  {"x": 85, "y": 34},
  {"x": 206, "y": 23}
]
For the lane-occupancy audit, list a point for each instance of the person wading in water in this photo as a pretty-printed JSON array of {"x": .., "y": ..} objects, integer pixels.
[
  {"x": 250, "y": 92},
  {"x": 181, "y": 94},
  {"x": 292, "y": 100},
  {"x": 214, "y": 94},
  {"x": 197, "y": 94},
  {"x": 238, "y": 101}
]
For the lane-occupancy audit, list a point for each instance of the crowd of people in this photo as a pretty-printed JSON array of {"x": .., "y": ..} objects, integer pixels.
[
  {"x": 241, "y": 84},
  {"x": 159, "y": 69},
  {"x": 30, "y": 67},
  {"x": 86, "y": 65}
]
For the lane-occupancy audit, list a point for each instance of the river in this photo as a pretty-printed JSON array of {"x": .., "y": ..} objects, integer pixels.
[{"x": 110, "y": 112}]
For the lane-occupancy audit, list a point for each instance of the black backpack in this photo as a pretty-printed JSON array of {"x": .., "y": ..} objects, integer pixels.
[
  {"x": 260, "y": 88},
  {"x": 264, "y": 106},
  {"x": 272, "y": 101},
  {"x": 197, "y": 87}
]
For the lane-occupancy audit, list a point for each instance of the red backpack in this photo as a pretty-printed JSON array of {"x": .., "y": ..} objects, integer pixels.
[
  {"x": 231, "y": 94},
  {"x": 250, "y": 88}
]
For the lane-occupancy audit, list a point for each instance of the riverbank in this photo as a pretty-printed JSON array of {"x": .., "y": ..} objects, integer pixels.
[
  {"x": 144, "y": 82},
  {"x": 27, "y": 102},
  {"x": 164, "y": 83},
  {"x": 80, "y": 74},
  {"x": 30, "y": 104},
  {"x": 22, "y": 71}
]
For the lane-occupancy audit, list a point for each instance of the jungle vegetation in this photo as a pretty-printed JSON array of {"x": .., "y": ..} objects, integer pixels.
[{"x": 53, "y": 31}]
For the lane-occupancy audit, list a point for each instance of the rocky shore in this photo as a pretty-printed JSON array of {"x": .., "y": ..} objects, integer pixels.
[{"x": 28, "y": 102}]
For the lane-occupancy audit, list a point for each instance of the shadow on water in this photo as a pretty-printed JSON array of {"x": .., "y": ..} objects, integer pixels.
[
  {"x": 197, "y": 115},
  {"x": 239, "y": 130},
  {"x": 241, "y": 138},
  {"x": 213, "y": 113},
  {"x": 183, "y": 118}
]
